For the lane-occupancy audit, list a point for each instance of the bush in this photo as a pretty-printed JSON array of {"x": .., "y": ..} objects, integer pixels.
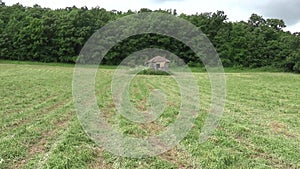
[{"x": 150, "y": 71}]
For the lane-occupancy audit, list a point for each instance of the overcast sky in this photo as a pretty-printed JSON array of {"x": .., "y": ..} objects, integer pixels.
[{"x": 236, "y": 10}]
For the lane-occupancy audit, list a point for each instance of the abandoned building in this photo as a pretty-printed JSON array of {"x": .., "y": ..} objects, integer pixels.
[{"x": 158, "y": 63}]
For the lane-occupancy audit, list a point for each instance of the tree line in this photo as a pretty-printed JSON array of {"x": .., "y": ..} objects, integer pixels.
[{"x": 47, "y": 35}]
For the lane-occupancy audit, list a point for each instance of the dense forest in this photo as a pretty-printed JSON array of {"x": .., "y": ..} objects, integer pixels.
[{"x": 47, "y": 35}]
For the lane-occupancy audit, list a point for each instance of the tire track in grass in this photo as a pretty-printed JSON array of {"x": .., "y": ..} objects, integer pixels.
[
  {"x": 39, "y": 77},
  {"x": 43, "y": 102},
  {"x": 181, "y": 158},
  {"x": 275, "y": 161},
  {"x": 16, "y": 80},
  {"x": 143, "y": 86},
  {"x": 113, "y": 119},
  {"x": 139, "y": 94},
  {"x": 34, "y": 130},
  {"x": 168, "y": 117},
  {"x": 10, "y": 71},
  {"x": 100, "y": 162},
  {"x": 41, "y": 145},
  {"x": 26, "y": 93},
  {"x": 260, "y": 91},
  {"x": 107, "y": 108},
  {"x": 35, "y": 103},
  {"x": 267, "y": 109},
  {"x": 173, "y": 155},
  {"x": 170, "y": 87},
  {"x": 32, "y": 115},
  {"x": 249, "y": 112},
  {"x": 16, "y": 97},
  {"x": 62, "y": 133},
  {"x": 174, "y": 160},
  {"x": 158, "y": 125},
  {"x": 30, "y": 104},
  {"x": 38, "y": 122},
  {"x": 178, "y": 155},
  {"x": 74, "y": 149},
  {"x": 104, "y": 103}
]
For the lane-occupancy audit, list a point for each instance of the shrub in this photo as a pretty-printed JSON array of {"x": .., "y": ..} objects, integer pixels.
[{"x": 150, "y": 71}]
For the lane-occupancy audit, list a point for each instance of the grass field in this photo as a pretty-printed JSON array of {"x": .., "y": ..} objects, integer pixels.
[{"x": 260, "y": 127}]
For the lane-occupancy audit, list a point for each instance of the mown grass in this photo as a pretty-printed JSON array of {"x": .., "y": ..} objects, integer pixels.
[
  {"x": 193, "y": 69},
  {"x": 260, "y": 127}
]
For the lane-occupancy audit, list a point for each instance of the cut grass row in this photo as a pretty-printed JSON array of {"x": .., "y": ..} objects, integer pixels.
[
  {"x": 193, "y": 69},
  {"x": 39, "y": 128}
]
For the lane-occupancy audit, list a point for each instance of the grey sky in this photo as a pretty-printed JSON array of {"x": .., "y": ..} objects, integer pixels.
[
  {"x": 236, "y": 10},
  {"x": 168, "y": 0},
  {"x": 285, "y": 9}
]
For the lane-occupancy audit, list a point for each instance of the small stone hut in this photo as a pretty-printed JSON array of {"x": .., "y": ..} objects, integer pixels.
[{"x": 158, "y": 63}]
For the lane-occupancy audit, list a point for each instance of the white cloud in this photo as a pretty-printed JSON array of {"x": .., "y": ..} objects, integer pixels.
[
  {"x": 294, "y": 28},
  {"x": 236, "y": 10}
]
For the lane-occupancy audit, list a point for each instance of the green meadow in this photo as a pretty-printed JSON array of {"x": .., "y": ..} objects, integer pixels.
[{"x": 260, "y": 127}]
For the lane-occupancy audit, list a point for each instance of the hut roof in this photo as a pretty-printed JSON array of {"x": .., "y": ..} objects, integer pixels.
[{"x": 158, "y": 59}]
